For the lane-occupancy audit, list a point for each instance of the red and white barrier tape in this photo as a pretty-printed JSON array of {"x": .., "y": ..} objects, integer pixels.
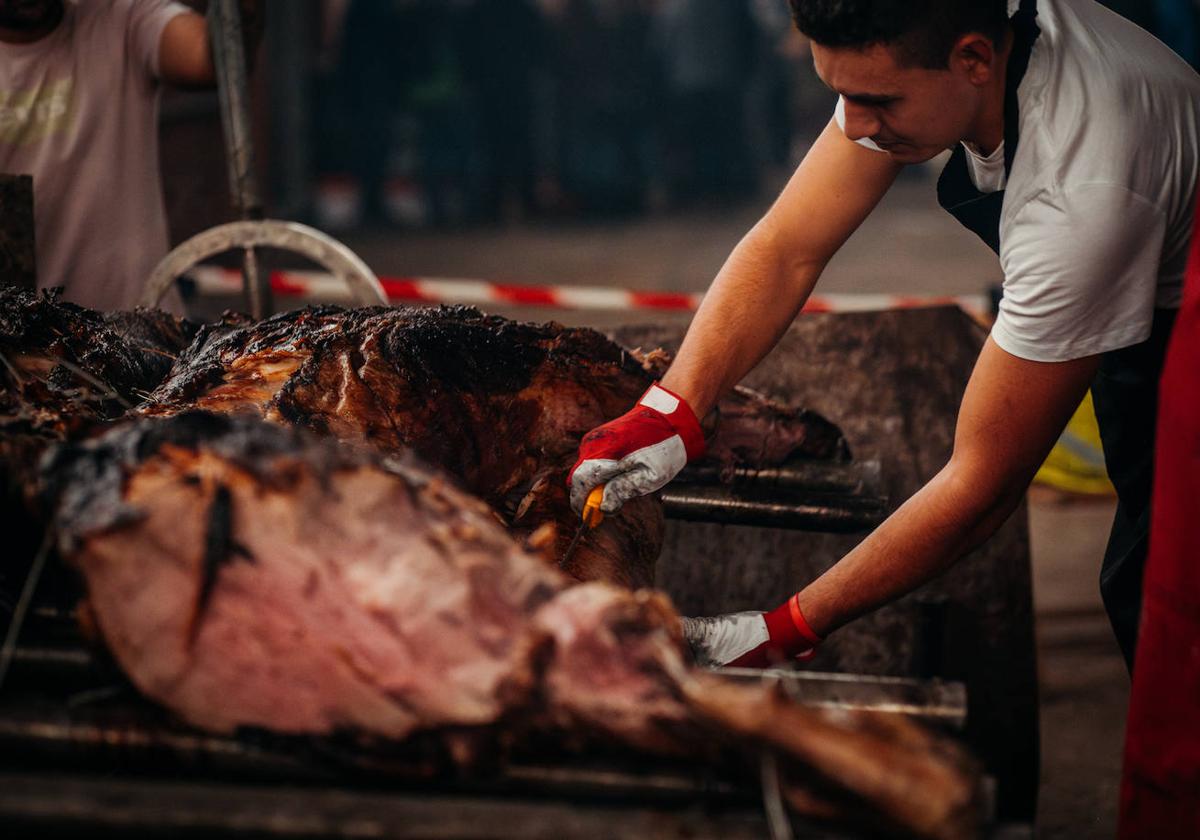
[{"x": 318, "y": 286}]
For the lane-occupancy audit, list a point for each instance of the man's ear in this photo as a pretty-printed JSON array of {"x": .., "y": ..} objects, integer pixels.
[{"x": 975, "y": 56}]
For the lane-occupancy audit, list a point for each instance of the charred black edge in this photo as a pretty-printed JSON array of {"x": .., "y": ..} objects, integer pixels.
[
  {"x": 220, "y": 548},
  {"x": 82, "y": 482}
]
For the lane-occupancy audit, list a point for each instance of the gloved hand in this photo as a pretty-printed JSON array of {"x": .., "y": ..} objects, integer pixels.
[
  {"x": 638, "y": 452},
  {"x": 752, "y": 639}
]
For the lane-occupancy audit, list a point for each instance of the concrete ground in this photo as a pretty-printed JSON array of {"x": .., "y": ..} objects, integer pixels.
[
  {"x": 908, "y": 246},
  {"x": 1082, "y": 677}
]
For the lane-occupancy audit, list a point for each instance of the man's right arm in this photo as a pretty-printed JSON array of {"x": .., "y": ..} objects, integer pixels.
[
  {"x": 770, "y": 274},
  {"x": 758, "y": 292}
]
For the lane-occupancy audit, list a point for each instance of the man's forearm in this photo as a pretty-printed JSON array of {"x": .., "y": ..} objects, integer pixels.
[
  {"x": 1012, "y": 413},
  {"x": 750, "y": 304},
  {"x": 947, "y": 518}
]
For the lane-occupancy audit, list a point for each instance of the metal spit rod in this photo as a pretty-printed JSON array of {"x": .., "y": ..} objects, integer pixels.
[
  {"x": 931, "y": 700},
  {"x": 937, "y": 702},
  {"x": 813, "y": 496},
  {"x": 724, "y": 506},
  {"x": 857, "y": 478}
]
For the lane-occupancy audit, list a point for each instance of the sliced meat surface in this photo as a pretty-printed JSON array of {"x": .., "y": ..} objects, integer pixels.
[{"x": 245, "y": 575}]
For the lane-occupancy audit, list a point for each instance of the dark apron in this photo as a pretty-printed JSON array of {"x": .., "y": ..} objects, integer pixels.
[{"x": 1125, "y": 391}]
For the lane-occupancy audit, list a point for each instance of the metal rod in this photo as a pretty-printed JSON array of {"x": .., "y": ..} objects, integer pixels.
[
  {"x": 18, "y": 618},
  {"x": 229, "y": 59},
  {"x": 721, "y": 506},
  {"x": 73, "y": 805},
  {"x": 257, "y": 286},
  {"x": 80, "y": 735},
  {"x": 51, "y": 614},
  {"x": 29, "y": 728},
  {"x": 857, "y": 478},
  {"x": 938, "y": 702},
  {"x": 48, "y": 658},
  {"x": 595, "y": 782},
  {"x": 778, "y": 824}
]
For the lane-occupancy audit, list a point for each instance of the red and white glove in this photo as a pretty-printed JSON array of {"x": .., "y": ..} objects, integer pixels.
[
  {"x": 752, "y": 639},
  {"x": 637, "y": 453}
]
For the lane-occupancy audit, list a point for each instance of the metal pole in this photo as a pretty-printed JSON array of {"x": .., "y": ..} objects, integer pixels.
[{"x": 229, "y": 61}]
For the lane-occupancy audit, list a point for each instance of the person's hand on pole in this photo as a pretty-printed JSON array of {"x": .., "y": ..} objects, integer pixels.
[
  {"x": 637, "y": 453},
  {"x": 752, "y": 639}
]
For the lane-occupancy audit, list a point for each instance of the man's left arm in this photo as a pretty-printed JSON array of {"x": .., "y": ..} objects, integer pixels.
[
  {"x": 1011, "y": 415},
  {"x": 185, "y": 55}
]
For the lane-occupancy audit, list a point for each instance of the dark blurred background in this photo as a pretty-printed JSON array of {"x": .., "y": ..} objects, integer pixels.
[
  {"x": 452, "y": 113},
  {"x": 445, "y": 114}
]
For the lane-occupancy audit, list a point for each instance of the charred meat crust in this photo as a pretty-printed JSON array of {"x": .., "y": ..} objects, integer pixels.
[
  {"x": 457, "y": 346},
  {"x": 129, "y": 352}
]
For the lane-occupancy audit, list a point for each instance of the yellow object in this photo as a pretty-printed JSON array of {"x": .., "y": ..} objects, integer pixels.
[
  {"x": 592, "y": 515},
  {"x": 1076, "y": 463}
]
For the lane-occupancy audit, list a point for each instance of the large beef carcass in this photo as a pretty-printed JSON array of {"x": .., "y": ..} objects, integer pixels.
[
  {"x": 247, "y": 574},
  {"x": 500, "y": 405}
]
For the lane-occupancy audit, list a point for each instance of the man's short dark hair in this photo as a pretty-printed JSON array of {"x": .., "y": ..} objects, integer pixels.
[{"x": 924, "y": 31}]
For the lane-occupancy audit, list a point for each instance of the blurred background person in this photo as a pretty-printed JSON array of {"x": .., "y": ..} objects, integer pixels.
[{"x": 79, "y": 97}]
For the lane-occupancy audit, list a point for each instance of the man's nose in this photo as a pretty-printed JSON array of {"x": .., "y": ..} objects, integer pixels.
[{"x": 860, "y": 121}]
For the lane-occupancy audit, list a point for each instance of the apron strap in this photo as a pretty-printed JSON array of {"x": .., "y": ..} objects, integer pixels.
[
  {"x": 1025, "y": 34},
  {"x": 957, "y": 194}
]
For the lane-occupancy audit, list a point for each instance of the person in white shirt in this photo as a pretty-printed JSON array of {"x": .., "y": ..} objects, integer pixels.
[
  {"x": 79, "y": 89},
  {"x": 1076, "y": 141}
]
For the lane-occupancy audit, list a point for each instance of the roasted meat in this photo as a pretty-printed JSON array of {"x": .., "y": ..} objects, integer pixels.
[
  {"x": 500, "y": 405},
  {"x": 247, "y": 574},
  {"x": 243, "y": 575},
  {"x": 62, "y": 369}
]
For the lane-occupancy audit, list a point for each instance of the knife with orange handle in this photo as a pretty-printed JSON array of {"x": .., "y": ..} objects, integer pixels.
[{"x": 590, "y": 519}]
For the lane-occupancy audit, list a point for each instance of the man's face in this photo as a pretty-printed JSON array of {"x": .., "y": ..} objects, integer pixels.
[
  {"x": 28, "y": 14},
  {"x": 912, "y": 113}
]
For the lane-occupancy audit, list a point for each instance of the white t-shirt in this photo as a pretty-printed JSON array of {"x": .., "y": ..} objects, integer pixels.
[
  {"x": 79, "y": 112},
  {"x": 1098, "y": 210}
]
